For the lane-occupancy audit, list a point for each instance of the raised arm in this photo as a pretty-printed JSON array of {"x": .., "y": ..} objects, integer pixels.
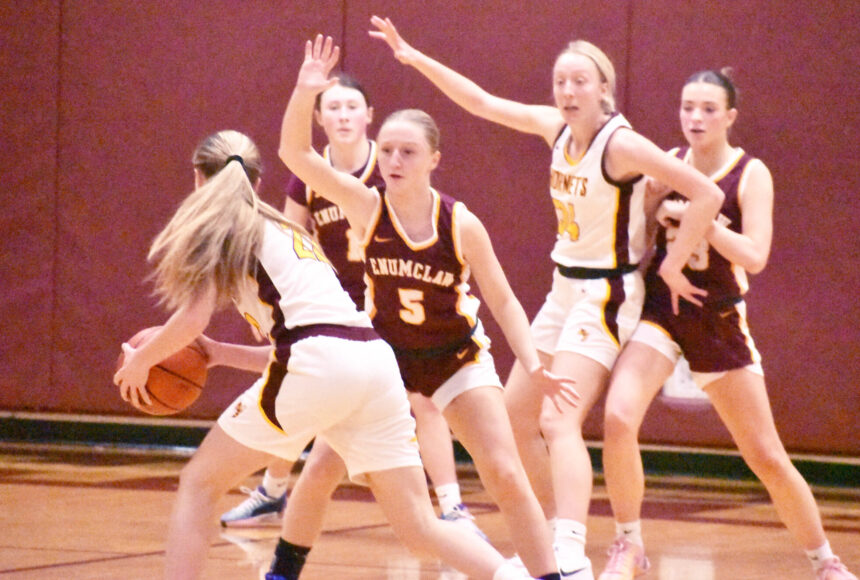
[
  {"x": 540, "y": 120},
  {"x": 632, "y": 154},
  {"x": 507, "y": 310},
  {"x": 296, "y": 149}
]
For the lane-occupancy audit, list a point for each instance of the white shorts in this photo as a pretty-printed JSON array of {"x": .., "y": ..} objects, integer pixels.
[
  {"x": 657, "y": 338},
  {"x": 592, "y": 317},
  {"x": 347, "y": 392},
  {"x": 481, "y": 373}
]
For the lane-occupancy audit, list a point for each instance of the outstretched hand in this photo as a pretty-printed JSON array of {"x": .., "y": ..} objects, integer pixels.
[
  {"x": 320, "y": 57},
  {"x": 557, "y": 389},
  {"x": 131, "y": 378},
  {"x": 386, "y": 31},
  {"x": 680, "y": 287}
]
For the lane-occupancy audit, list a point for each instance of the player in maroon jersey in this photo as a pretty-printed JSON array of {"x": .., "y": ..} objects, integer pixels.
[
  {"x": 345, "y": 113},
  {"x": 714, "y": 338},
  {"x": 421, "y": 247}
]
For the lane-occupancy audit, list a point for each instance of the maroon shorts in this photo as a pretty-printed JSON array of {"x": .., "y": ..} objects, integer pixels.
[
  {"x": 713, "y": 338},
  {"x": 425, "y": 371}
]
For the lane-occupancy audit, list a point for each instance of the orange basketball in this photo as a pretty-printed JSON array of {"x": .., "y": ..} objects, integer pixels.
[{"x": 175, "y": 382}]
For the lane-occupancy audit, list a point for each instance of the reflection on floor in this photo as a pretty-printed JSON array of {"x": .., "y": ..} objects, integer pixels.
[{"x": 88, "y": 513}]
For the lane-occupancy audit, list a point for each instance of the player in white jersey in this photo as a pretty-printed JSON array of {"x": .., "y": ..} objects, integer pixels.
[
  {"x": 326, "y": 373},
  {"x": 596, "y": 294}
]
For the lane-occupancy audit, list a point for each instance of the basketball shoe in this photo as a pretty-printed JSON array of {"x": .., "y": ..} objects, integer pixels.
[
  {"x": 516, "y": 562},
  {"x": 575, "y": 569},
  {"x": 460, "y": 515},
  {"x": 258, "y": 510},
  {"x": 626, "y": 560},
  {"x": 833, "y": 569}
]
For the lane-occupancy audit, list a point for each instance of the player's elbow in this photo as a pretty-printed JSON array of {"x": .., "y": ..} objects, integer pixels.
[
  {"x": 478, "y": 104},
  {"x": 716, "y": 197},
  {"x": 756, "y": 264},
  {"x": 293, "y": 158},
  {"x": 287, "y": 154}
]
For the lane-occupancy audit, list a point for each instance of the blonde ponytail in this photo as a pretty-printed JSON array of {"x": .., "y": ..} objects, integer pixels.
[{"x": 214, "y": 235}]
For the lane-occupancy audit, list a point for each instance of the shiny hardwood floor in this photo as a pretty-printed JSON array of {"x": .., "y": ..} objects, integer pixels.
[{"x": 89, "y": 513}]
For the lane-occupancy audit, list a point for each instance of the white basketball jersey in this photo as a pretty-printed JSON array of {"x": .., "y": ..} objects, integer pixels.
[
  {"x": 601, "y": 223},
  {"x": 295, "y": 286}
]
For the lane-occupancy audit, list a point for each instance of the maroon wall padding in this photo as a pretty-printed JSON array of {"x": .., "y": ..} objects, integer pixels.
[
  {"x": 29, "y": 45},
  {"x": 103, "y": 108}
]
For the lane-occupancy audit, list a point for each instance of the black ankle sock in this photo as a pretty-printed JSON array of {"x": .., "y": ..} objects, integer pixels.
[
  {"x": 289, "y": 559},
  {"x": 551, "y": 576}
]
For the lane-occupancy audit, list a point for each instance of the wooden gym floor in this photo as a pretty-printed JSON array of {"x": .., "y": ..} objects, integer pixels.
[{"x": 87, "y": 513}]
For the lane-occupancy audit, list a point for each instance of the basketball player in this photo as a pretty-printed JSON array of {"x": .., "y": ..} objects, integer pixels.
[
  {"x": 420, "y": 248},
  {"x": 597, "y": 188},
  {"x": 327, "y": 373},
  {"x": 344, "y": 112},
  {"x": 714, "y": 339}
]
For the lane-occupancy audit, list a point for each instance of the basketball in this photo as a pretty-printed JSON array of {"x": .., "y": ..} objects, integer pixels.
[{"x": 175, "y": 382}]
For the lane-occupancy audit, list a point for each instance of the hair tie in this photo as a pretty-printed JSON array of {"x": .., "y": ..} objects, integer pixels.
[{"x": 235, "y": 158}]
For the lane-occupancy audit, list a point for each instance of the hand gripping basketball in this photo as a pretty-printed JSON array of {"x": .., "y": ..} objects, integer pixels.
[{"x": 176, "y": 382}]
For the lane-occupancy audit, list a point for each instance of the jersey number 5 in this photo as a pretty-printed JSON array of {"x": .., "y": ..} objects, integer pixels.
[{"x": 412, "y": 311}]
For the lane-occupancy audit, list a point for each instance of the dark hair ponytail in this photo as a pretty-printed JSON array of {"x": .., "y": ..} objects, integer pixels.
[
  {"x": 721, "y": 78},
  {"x": 348, "y": 81}
]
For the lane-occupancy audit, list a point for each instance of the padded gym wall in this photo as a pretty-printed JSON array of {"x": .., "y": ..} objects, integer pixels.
[{"x": 103, "y": 103}]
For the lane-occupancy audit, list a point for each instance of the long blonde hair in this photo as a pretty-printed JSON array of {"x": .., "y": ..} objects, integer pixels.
[{"x": 213, "y": 236}]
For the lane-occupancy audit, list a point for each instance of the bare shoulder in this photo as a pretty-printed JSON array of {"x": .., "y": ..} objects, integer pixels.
[
  {"x": 626, "y": 142},
  {"x": 468, "y": 223},
  {"x": 759, "y": 171},
  {"x": 757, "y": 182},
  {"x": 473, "y": 236},
  {"x": 629, "y": 154}
]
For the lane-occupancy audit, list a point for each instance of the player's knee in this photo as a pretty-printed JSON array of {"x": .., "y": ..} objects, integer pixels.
[
  {"x": 768, "y": 463},
  {"x": 417, "y": 535},
  {"x": 618, "y": 422},
  {"x": 503, "y": 474},
  {"x": 327, "y": 471},
  {"x": 195, "y": 478},
  {"x": 555, "y": 425}
]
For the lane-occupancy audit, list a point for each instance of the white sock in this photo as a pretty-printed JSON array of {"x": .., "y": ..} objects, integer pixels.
[
  {"x": 820, "y": 555},
  {"x": 448, "y": 496},
  {"x": 507, "y": 571},
  {"x": 630, "y": 531},
  {"x": 569, "y": 540},
  {"x": 552, "y": 523},
  {"x": 275, "y": 487}
]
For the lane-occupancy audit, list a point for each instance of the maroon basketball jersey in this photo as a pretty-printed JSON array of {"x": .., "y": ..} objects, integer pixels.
[
  {"x": 707, "y": 268},
  {"x": 420, "y": 297},
  {"x": 332, "y": 229}
]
